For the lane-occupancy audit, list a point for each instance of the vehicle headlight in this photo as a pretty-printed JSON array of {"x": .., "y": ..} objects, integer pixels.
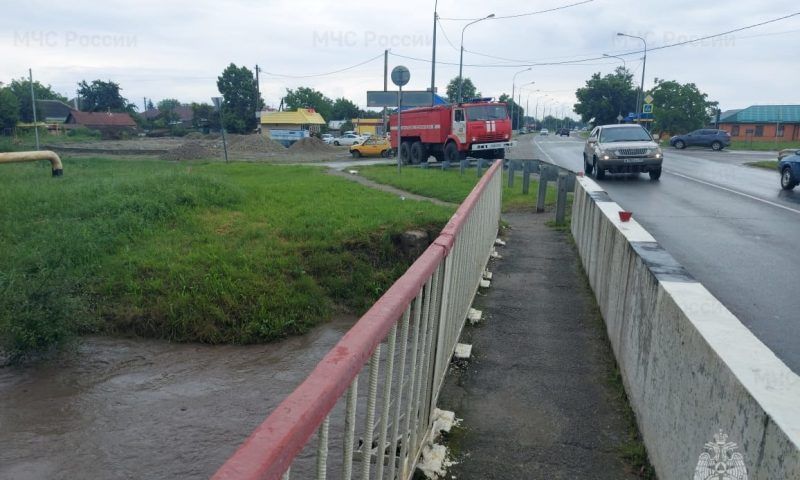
[
  {"x": 605, "y": 154},
  {"x": 474, "y": 139},
  {"x": 505, "y": 136}
]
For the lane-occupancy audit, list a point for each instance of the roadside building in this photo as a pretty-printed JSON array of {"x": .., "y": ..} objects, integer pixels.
[
  {"x": 52, "y": 111},
  {"x": 289, "y": 127},
  {"x": 779, "y": 123},
  {"x": 110, "y": 125},
  {"x": 183, "y": 115},
  {"x": 373, "y": 126}
]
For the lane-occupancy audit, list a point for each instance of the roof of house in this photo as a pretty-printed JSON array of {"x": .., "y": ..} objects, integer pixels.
[
  {"x": 301, "y": 116},
  {"x": 53, "y": 110},
  {"x": 727, "y": 113},
  {"x": 765, "y": 114},
  {"x": 184, "y": 112},
  {"x": 102, "y": 119}
]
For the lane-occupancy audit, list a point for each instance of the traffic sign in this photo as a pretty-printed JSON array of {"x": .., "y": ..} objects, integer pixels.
[
  {"x": 400, "y": 75},
  {"x": 648, "y": 98},
  {"x": 647, "y": 108},
  {"x": 619, "y": 118},
  {"x": 411, "y": 98}
]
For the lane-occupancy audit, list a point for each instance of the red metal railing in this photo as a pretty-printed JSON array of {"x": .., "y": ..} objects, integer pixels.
[{"x": 417, "y": 304}]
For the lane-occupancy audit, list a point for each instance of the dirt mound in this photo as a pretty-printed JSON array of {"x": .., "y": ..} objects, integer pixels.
[
  {"x": 189, "y": 151},
  {"x": 254, "y": 144},
  {"x": 311, "y": 145},
  {"x": 194, "y": 135}
]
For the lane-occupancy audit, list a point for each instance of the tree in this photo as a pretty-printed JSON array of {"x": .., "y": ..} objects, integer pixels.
[
  {"x": 166, "y": 110},
  {"x": 205, "y": 116},
  {"x": 468, "y": 90},
  {"x": 603, "y": 98},
  {"x": 240, "y": 99},
  {"x": 304, "y": 97},
  {"x": 22, "y": 91},
  {"x": 100, "y": 96},
  {"x": 9, "y": 108},
  {"x": 344, "y": 109},
  {"x": 679, "y": 108},
  {"x": 515, "y": 111}
]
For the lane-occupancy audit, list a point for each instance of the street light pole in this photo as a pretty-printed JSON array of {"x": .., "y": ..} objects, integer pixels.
[
  {"x": 640, "y": 94},
  {"x": 513, "y": 88},
  {"x": 624, "y": 63},
  {"x": 461, "y": 58},
  {"x": 519, "y": 105}
]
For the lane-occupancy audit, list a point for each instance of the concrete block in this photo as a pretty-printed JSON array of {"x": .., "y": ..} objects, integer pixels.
[
  {"x": 463, "y": 351},
  {"x": 487, "y": 275},
  {"x": 485, "y": 283},
  {"x": 474, "y": 316},
  {"x": 500, "y": 242}
]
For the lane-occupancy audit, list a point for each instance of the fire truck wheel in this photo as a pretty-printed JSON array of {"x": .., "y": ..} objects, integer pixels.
[
  {"x": 405, "y": 152},
  {"x": 417, "y": 153},
  {"x": 451, "y": 153}
]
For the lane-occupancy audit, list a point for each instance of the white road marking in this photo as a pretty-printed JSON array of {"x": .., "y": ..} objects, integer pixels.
[{"x": 736, "y": 192}]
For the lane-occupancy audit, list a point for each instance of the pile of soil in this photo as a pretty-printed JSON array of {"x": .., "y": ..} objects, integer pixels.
[
  {"x": 191, "y": 150},
  {"x": 254, "y": 144},
  {"x": 311, "y": 145}
]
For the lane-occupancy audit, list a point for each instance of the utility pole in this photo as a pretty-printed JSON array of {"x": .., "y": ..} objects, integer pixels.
[
  {"x": 385, "y": 86},
  {"x": 33, "y": 107},
  {"x": 258, "y": 94},
  {"x": 433, "y": 59},
  {"x": 144, "y": 104}
]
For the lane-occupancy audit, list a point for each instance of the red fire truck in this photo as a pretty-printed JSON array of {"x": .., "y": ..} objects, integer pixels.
[{"x": 479, "y": 128}]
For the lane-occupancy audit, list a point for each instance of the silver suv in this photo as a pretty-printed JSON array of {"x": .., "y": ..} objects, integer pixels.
[{"x": 621, "y": 148}]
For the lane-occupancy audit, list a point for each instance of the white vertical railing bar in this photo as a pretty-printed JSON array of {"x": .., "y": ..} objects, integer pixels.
[
  {"x": 404, "y": 447},
  {"x": 413, "y": 442},
  {"x": 399, "y": 404},
  {"x": 387, "y": 399},
  {"x": 369, "y": 423},
  {"x": 322, "y": 449},
  {"x": 350, "y": 430}
]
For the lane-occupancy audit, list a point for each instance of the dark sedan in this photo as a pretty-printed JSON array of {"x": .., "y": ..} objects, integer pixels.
[
  {"x": 706, "y": 137},
  {"x": 789, "y": 166}
]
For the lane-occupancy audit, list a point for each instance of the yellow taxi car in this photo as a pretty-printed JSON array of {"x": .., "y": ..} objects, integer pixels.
[{"x": 371, "y": 147}]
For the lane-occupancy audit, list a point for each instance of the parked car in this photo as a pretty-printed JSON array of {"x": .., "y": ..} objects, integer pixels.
[
  {"x": 705, "y": 137},
  {"x": 789, "y": 166},
  {"x": 563, "y": 132},
  {"x": 544, "y": 131},
  {"x": 371, "y": 147},
  {"x": 327, "y": 138},
  {"x": 347, "y": 139},
  {"x": 621, "y": 148}
]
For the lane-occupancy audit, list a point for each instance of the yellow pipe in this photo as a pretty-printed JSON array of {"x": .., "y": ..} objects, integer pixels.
[{"x": 52, "y": 157}]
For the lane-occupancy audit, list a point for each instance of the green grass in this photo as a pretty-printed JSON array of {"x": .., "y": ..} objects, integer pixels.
[
  {"x": 451, "y": 186},
  {"x": 205, "y": 252},
  {"x": 27, "y": 140},
  {"x": 766, "y": 164},
  {"x": 762, "y": 145}
]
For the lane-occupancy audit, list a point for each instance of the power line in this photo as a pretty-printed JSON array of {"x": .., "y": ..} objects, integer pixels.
[
  {"x": 326, "y": 73},
  {"x": 582, "y": 61},
  {"x": 527, "y": 14},
  {"x": 445, "y": 35}
]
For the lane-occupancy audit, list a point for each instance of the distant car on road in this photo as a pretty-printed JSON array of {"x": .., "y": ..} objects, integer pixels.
[
  {"x": 621, "y": 148},
  {"x": 789, "y": 166},
  {"x": 347, "y": 139},
  {"x": 544, "y": 131},
  {"x": 327, "y": 138},
  {"x": 371, "y": 147},
  {"x": 563, "y": 132},
  {"x": 705, "y": 137}
]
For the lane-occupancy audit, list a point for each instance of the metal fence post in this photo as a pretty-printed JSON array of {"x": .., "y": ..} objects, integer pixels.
[
  {"x": 511, "y": 169},
  {"x": 561, "y": 203},
  {"x": 479, "y": 164},
  {"x": 526, "y": 176},
  {"x": 463, "y": 165},
  {"x": 544, "y": 173}
]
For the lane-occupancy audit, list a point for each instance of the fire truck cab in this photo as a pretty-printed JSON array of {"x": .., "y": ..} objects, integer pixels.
[{"x": 478, "y": 128}]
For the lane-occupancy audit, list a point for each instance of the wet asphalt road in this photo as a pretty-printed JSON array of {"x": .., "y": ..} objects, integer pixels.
[{"x": 730, "y": 225}]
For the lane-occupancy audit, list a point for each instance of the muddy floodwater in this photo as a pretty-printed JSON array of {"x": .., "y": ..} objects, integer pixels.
[{"x": 125, "y": 409}]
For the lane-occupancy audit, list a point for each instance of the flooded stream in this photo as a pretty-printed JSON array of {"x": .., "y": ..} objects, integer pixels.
[{"x": 123, "y": 409}]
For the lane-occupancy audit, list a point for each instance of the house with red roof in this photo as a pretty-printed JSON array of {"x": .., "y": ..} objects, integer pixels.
[{"x": 109, "y": 124}]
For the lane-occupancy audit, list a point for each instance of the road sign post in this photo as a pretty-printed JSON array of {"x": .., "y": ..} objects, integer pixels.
[{"x": 400, "y": 77}]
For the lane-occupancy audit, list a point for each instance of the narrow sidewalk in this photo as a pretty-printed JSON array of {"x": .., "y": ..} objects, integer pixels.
[{"x": 536, "y": 399}]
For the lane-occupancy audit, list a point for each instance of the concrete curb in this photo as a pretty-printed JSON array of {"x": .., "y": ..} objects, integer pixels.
[{"x": 690, "y": 367}]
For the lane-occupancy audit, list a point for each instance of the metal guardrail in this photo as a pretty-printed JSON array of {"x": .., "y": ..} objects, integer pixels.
[{"x": 407, "y": 338}]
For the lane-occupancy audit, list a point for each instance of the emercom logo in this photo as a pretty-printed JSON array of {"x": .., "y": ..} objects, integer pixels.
[{"x": 720, "y": 461}]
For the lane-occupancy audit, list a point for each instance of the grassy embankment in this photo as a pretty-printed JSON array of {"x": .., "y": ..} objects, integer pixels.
[
  {"x": 762, "y": 145},
  {"x": 765, "y": 164},
  {"x": 200, "y": 252},
  {"x": 27, "y": 140},
  {"x": 451, "y": 186}
]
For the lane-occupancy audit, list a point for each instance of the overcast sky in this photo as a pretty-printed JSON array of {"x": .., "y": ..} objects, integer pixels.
[{"x": 176, "y": 49}]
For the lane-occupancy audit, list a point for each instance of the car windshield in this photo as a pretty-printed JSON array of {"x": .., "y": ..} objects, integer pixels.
[
  {"x": 632, "y": 134},
  {"x": 487, "y": 112}
]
